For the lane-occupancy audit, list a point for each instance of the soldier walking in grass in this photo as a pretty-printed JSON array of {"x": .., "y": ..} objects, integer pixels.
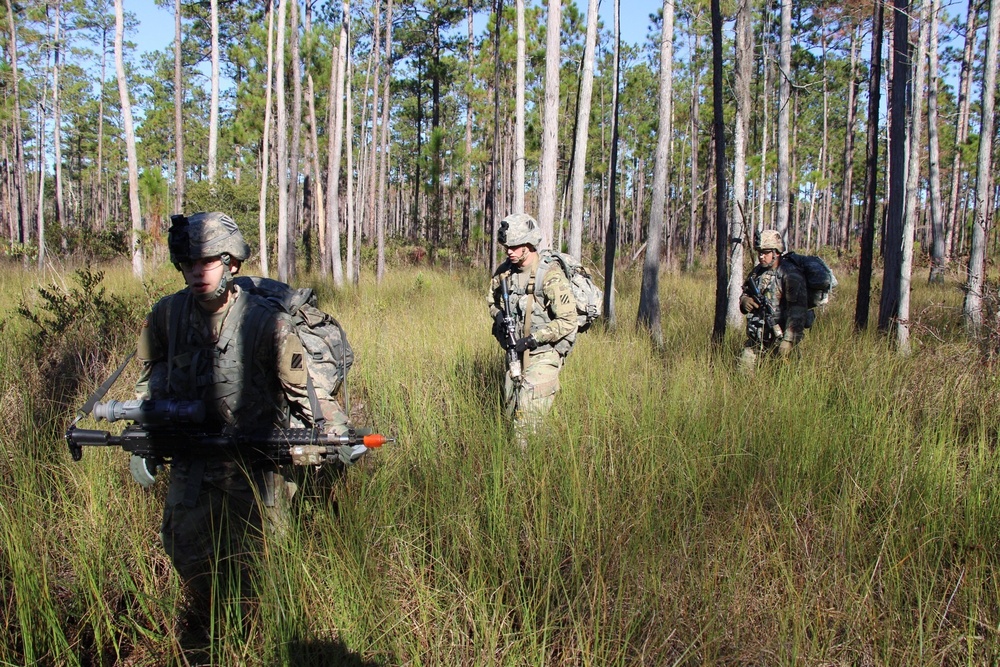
[
  {"x": 543, "y": 314},
  {"x": 240, "y": 355},
  {"x": 776, "y": 302}
]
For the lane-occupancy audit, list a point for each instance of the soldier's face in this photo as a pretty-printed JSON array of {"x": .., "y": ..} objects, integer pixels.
[
  {"x": 203, "y": 275},
  {"x": 517, "y": 254},
  {"x": 766, "y": 257}
]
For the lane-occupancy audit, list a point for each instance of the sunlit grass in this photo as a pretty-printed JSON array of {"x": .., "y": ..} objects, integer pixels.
[{"x": 841, "y": 508}]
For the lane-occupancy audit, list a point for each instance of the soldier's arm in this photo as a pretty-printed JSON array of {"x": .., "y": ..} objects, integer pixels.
[
  {"x": 290, "y": 358},
  {"x": 796, "y": 296},
  {"x": 151, "y": 350},
  {"x": 561, "y": 305},
  {"x": 492, "y": 298}
]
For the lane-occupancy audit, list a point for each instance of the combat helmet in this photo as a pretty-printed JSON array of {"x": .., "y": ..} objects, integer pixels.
[
  {"x": 519, "y": 229},
  {"x": 770, "y": 239},
  {"x": 205, "y": 235}
]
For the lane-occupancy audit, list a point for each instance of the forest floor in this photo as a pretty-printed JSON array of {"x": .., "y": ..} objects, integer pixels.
[{"x": 841, "y": 508}]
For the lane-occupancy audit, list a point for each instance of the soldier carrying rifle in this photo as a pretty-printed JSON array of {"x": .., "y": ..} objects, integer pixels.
[
  {"x": 239, "y": 355},
  {"x": 536, "y": 324},
  {"x": 776, "y": 302}
]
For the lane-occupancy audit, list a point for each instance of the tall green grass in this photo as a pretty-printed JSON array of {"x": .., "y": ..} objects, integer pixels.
[{"x": 841, "y": 508}]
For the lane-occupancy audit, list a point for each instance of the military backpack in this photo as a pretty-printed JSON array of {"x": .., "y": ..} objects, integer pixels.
[
  {"x": 589, "y": 297},
  {"x": 820, "y": 280},
  {"x": 328, "y": 354}
]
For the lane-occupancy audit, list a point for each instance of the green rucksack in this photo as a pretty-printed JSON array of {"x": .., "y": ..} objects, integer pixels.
[{"x": 589, "y": 297}]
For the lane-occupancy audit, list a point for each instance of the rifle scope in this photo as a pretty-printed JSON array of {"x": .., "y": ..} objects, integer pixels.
[{"x": 152, "y": 412}]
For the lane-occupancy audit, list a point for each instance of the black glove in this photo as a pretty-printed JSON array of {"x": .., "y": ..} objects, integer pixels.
[
  {"x": 526, "y": 343},
  {"x": 500, "y": 328}
]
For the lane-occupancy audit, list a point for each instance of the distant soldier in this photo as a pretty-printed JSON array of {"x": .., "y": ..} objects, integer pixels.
[
  {"x": 544, "y": 317},
  {"x": 776, "y": 302},
  {"x": 220, "y": 344}
]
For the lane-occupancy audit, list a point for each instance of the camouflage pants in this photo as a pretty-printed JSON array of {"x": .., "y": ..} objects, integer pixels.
[
  {"x": 530, "y": 399},
  {"x": 754, "y": 350},
  {"x": 213, "y": 536}
]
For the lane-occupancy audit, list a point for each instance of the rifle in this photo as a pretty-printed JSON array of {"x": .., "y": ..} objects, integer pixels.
[
  {"x": 166, "y": 429},
  {"x": 765, "y": 306},
  {"x": 513, "y": 361}
]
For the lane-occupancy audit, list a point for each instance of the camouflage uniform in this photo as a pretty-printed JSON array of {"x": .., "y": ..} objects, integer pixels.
[
  {"x": 248, "y": 366},
  {"x": 785, "y": 289},
  {"x": 553, "y": 324}
]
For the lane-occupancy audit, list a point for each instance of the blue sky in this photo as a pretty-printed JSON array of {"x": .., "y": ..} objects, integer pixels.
[{"x": 156, "y": 25}]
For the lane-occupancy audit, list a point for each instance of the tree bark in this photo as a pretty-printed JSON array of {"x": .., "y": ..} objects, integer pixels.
[
  {"x": 213, "y": 120},
  {"x": 649, "y": 294},
  {"x": 583, "y": 133},
  {"x": 265, "y": 146},
  {"x": 961, "y": 128},
  {"x": 281, "y": 165},
  {"x": 23, "y": 229},
  {"x": 862, "y": 302},
  {"x": 384, "y": 161},
  {"x": 179, "y": 110},
  {"x": 893, "y": 253},
  {"x": 912, "y": 213},
  {"x": 938, "y": 257},
  {"x": 721, "y": 207},
  {"x": 611, "y": 239},
  {"x": 744, "y": 111},
  {"x": 549, "y": 160},
  {"x": 133, "y": 163},
  {"x": 519, "y": 151},
  {"x": 333, "y": 172},
  {"x": 294, "y": 154},
  {"x": 972, "y": 309},
  {"x": 784, "y": 109}
]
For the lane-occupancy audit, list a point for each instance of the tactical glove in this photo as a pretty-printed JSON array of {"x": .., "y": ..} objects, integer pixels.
[
  {"x": 747, "y": 304},
  {"x": 785, "y": 348},
  {"x": 526, "y": 343}
]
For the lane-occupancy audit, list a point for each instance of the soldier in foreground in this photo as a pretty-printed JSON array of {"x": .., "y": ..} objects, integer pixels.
[
  {"x": 776, "y": 302},
  {"x": 220, "y": 344},
  {"x": 534, "y": 318}
]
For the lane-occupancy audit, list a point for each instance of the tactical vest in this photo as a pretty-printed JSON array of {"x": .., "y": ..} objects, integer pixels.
[
  {"x": 521, "y": 285},
  {"x": 228, "y": 374}
]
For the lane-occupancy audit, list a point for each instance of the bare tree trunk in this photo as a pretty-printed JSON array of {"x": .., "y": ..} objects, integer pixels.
[
  {"x": 265, "y": 146},
  {"x": 490, "y": 207},
  {"x": 649, "y": 295},
  {"x": 893, "y": 253},
  {"x": 23, "y": 229},
  {"x": 133, "y": 162},
  {"x": 549, "y": 161},
  {"x": 99, "y": 189},
  {"x": 384, "y": 161},
  {"x": 317, "y": 176},
  {"x": 844, "y": 225},
  {"x": 721, "y": 207},
  {"x": 740, "y": 219},
  {"x": 695, "y": 105},
  {"x": 60, "y": 211},
  {"x": 861, "y": 306},
  {"x": 912, "y": 184},
  {"x": 467, "y": 164},
  {"x": 611, "y": 240},
  {"x": 961, "y": 128},
  {"x": 333, "y": 171},
  {"x": 519, "y": 151},
  {"x": 784, "y": 109},
  {"x": 349, "y": 150},
  {"x": 281, "y": 165},
  {"x": 295, "y": 152},
  {"x": 972, "y": 309},
  {"x": 938, "y": 257},
  {"x": 213, "y": 118},
  {"x": 179, "y": 114},
  {"x": 583, "y": 133}
]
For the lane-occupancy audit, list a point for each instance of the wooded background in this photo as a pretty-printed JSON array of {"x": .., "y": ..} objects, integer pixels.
[{"x": 406, "y": 125}]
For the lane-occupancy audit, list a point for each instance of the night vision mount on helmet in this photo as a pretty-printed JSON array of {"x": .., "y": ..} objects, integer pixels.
[{"x": 204, "y": 235}]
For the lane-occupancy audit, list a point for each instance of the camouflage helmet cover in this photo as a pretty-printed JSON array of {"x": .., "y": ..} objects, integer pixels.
[
  {"x": 770, "y": 239},
  {"x": 205, "y": 235},
  {"x": 519, "y": 229}
]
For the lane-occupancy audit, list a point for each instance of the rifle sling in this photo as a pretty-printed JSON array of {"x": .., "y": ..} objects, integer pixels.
[{"x": 101, "y": 391}]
